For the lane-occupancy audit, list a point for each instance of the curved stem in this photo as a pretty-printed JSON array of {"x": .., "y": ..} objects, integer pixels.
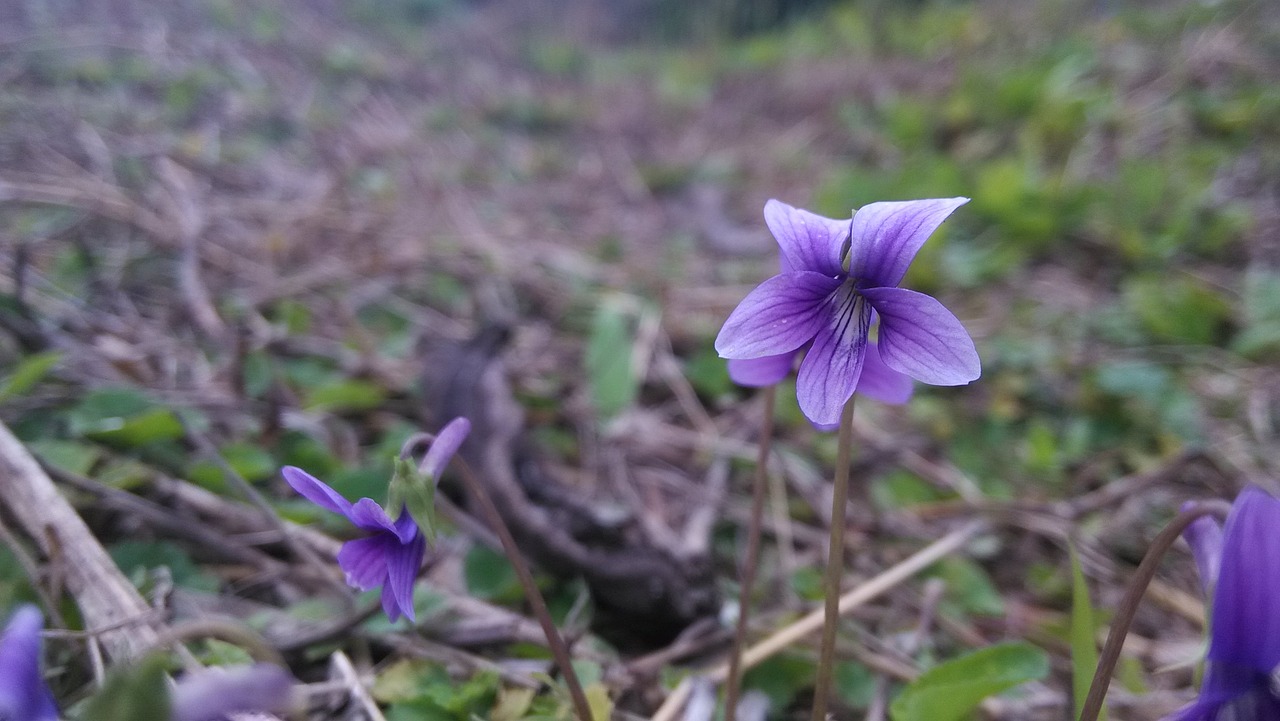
[
  {"x": 559, "y": 649},
  {"x": 1128, "y": 607},
  {"x": 835, "y": 565},
  {"x": 734, "y": 685}
]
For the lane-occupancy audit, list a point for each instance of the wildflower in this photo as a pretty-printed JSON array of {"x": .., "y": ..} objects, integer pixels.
[
  {"x": 23, "y": 693},
  {"x": 392, "y": 555},
  {"x": 213, "y": 693},
  {"x": 877, "y": 381},
  {"x": 838, "y": 278},
  {"x": 1240, "y": 679}
]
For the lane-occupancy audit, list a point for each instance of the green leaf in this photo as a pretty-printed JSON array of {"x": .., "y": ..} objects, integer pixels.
[
  {"x": 30, "y": 371},
  {"x": 1084, "y": 648},
  {"x": 345, "y": 396},
  {"x": 139, "y": 691},
  {"x": 123, "y": 417},
  {"x": 489, "y": 575},
  {"x": 609, "y": 368},
  {"x": 132, "y": 555},
  {"x": 951, "y": 690}
]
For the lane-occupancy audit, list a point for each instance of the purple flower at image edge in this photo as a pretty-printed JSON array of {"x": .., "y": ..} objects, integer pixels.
[
  {"x": 818, "y": 304},
  {"x": 391, "y": 556},
  {"x": 23, "y": 693},
  {"x": 1244, "y": 645},
  {"x": 213, "y": 693}
]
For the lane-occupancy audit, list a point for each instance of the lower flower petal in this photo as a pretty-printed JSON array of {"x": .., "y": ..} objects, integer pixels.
[
  {"x": 779, "y": 316},
  {"x": 830, "y": 370},
  {"x": 881, "y": 382},
  {"x": 403, "y": 564},
  {"x": 761, "y": 372},
  {"x": 364, "y": 560},
  {"x": 921, "y": 338}
]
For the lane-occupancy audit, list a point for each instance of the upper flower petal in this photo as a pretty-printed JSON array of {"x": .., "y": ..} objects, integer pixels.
[
  {"x": 887, "y": 236},
  {"x": 364, "y": 560},
  {"x": 808, "y": 241},
  {"x": 446, "y": 444},
  {"x": 1246, "y": 607},
  {"x": 881, "y": 382},
  {"x": 830, "y": 370},
  {"x": 921, "y": 338},
  {"x": 315, "y": 490},
  {"x": 402, "y": 570},
  {"x": 367, "y": 514},
  {"x": 23, "y": 693},
  {"x": 780, "y": 315},
  {"x": 763, "y": 371}
]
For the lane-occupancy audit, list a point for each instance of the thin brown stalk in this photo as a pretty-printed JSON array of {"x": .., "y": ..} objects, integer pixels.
[
  {"x": 1129, "y": 605},
  {"x": 559, "y": 649},
  {"x": 835, "y": 566},
  {"x": 749, "y": 564}
]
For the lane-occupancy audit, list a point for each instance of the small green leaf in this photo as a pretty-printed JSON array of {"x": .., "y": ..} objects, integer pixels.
[
  {"x": 489, "y": 575},
  {"x": 345, "y": 395},
  {"x": 609, "y": 367},
  {"x": 1084, "y": 648},
  {"x": 951, "y": 690},
  {"x": 30, "y": 371},
  {"x": 139, "y": 691}
]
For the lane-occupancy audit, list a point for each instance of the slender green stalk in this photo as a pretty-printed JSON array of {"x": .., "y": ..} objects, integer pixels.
[
  {"x": 1129, "y": 604},
  {"x": 835, "y": 566},
  {"x": 734, "y": 684},
  {"x": 559, "y": 649}
]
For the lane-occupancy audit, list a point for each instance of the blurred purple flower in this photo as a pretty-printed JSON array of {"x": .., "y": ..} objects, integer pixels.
[
  {"x": 213, "y": 693},
  {"x": 816, "y": 302},
  {"x": 23, "y": 693},
  {"x": 1244, "y": 646},
  {"x": 392, "y": 555}
]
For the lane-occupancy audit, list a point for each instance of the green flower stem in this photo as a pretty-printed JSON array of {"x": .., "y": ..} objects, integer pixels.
[
  {"x": 1132, "y": 598},
  {"x": 835, "y": 565},
  {"x": 733, "y": 685},
  {"x": 559, "y": 649}
]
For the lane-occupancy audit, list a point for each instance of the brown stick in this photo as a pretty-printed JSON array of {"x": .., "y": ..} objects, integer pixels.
[{"x": 105, "y": 597}]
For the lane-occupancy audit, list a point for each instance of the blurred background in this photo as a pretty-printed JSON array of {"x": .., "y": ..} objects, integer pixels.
[{"x": 258, "y": 215}]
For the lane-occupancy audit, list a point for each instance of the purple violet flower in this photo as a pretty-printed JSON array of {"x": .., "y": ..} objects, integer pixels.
[
  {"x": 819, "y": 301},
  {"x": 213, "y": 693},
  {"x": 392, "y": 555},
  {"x": 1244, "y": 645},
  {"x": 23, "y": 693}
]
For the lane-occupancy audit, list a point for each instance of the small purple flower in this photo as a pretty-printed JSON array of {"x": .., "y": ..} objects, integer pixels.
[
  {"x": 392, "y": 555},
  {"x": 23, "y": 693},
  {"x": 212, "y": 694},
  {"x": 1244, "y": 646},
  {"x": 821, "y": 301}
]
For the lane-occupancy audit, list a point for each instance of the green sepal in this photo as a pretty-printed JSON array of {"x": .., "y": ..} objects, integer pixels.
[{"x": 415, "y": 491}]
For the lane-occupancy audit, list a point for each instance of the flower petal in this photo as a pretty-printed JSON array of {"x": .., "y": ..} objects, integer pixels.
[
  {"x": 830, "y": 370},
  {"x": 763, "y": 371},
  {"x": 368, "y": 515},
  {"x": 23, "y": 693},
  {"x": 887, "y": 236},
  {"x": 808, "y": 241},
  {"x": 921, "y": 338},
  {"x": 402, "y": 570},
  {"x": 315, "y": 490},
  {"x": 1246, "y": 605},
  {"x": 881, "y": 382},
  {"x": 780, "y": 315},
  {"x": 446, "y": 444},
  {"x": 364, "y": 560},
  {"x": 1204, "y": 536},
  {"x": 214, "y": 693}
]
